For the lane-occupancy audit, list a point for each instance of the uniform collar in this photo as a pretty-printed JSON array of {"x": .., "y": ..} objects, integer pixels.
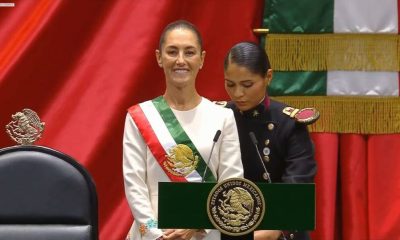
[{"x": 258, "y": 111}]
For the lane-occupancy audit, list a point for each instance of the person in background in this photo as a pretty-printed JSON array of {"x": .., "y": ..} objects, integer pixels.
[
  {"x": 284, "y": 143},
  {"x": 170, "y": 138}
]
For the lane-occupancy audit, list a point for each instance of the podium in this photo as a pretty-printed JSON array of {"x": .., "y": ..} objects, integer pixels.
[{"x": 287, "y": 206}]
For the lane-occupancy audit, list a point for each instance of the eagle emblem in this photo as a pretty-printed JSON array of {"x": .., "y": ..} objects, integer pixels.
[
  {"x": 236, "y": 206},
  {"x": 25, "y": 127},
  {"x": 181, "y": 160}
]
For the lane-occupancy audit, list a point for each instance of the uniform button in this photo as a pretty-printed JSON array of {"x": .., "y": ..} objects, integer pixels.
[
  {"x": 265, "y": 176},
  {"x": 266, "y": 151},
  {"x": 266, "y": 142},
  {"x": 271, "y": 126},
  {"x": 266, "y": 158}
]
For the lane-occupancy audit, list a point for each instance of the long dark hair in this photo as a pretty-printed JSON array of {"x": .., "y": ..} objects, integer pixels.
[{"x": 248, "y": 55}]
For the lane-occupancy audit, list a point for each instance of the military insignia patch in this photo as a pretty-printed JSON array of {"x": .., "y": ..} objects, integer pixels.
[
  {"x": 304, "y": 115},
  {"x": 236, "y": 206},
  {"x": 25, "y": 127},
  {"x": 255, "y": 113},
  {"x": 181, "y": 160}
]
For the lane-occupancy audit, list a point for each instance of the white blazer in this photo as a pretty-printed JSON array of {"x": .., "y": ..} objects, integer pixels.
[{"x": 142, "y": 172}]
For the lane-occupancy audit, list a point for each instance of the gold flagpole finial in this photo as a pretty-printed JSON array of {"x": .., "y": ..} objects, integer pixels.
[{"x": 261, "y": 30}]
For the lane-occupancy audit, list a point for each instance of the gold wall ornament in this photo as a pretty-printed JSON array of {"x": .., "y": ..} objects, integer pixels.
[
  {"x": 236, "y": 206},
  {"x": 25, "y": 127}
]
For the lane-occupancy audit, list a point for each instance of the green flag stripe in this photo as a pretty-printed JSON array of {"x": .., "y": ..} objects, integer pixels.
[
  {"x": 179, "y": 135},
  {"x": 298, "y": 16},
  {"x": 298, "y": 84}
]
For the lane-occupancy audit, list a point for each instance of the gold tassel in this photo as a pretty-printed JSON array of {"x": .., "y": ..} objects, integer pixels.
[
  {"x": 324, "y": 52},
  {"x": 361, "y": 115}
]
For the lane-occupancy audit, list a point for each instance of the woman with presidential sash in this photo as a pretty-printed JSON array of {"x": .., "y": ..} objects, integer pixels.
[
  {"x": 169, "y": 138},
  {"x": 286, "y": 152}
]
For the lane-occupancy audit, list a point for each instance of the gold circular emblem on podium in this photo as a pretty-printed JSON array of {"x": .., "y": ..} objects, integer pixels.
[{"x": 235, "y": 206}]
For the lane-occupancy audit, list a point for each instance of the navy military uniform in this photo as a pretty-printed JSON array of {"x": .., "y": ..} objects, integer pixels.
[{"x": 284, "y": 145}]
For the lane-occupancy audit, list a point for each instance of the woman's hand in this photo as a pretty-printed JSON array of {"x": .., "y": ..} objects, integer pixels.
[
  {"x": 179, "y": 234},
  {"x": 267, "y": 234}
]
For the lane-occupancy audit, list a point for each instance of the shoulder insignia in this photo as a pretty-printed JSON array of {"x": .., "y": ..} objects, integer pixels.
[
  {"x": 304, "y": 115},
  {"x": 221, "y": 103}
]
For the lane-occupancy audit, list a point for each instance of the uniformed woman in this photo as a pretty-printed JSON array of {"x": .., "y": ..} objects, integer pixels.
[{"x": 283, "y": 141}]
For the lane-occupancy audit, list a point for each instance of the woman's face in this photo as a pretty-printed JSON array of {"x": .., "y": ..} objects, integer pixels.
[
  {"x": 245, "y": 88},
  {"x": 181, "y": 57}
]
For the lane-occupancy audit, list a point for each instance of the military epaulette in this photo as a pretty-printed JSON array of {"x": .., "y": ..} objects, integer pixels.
[
  {"x": 221, "y": 103},
  {"x": 304, "y": 115}
]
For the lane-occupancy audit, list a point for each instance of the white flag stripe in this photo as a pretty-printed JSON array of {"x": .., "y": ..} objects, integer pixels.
[
  {"x": 364, "y": 16},
  {"x": 363, "y": 83}
]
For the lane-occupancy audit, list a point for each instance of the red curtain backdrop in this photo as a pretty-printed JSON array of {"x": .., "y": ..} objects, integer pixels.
[
  {"x": 358, "y": 187},
  {"x": 81, "y": 64}
]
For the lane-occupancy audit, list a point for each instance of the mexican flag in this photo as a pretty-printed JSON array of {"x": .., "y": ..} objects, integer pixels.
[{"x": 342, "y": 56}]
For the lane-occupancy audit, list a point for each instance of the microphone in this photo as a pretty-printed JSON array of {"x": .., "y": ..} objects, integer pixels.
[
  {"x": 215, "y": 139},
  {"x": 255, "y": 142},
  {"x": 266, "y": 173}
]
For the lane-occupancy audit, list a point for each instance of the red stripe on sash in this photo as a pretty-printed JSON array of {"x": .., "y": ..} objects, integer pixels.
[{"x": 151, "y": 140}]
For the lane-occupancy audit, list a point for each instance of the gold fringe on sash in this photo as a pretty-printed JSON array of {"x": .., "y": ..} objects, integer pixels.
[
  {"x": 322, "y": 52},
  {"x": 358, "y": 114}
]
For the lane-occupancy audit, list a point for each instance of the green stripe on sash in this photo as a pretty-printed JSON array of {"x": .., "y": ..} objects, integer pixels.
[{"x": 179, "y": 135}]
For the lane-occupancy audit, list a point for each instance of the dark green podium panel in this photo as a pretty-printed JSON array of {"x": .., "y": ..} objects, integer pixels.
[{"x": 287, "y": 206}]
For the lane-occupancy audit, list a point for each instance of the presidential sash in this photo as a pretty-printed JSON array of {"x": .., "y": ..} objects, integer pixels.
[{"x": 168, "y": 142}]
